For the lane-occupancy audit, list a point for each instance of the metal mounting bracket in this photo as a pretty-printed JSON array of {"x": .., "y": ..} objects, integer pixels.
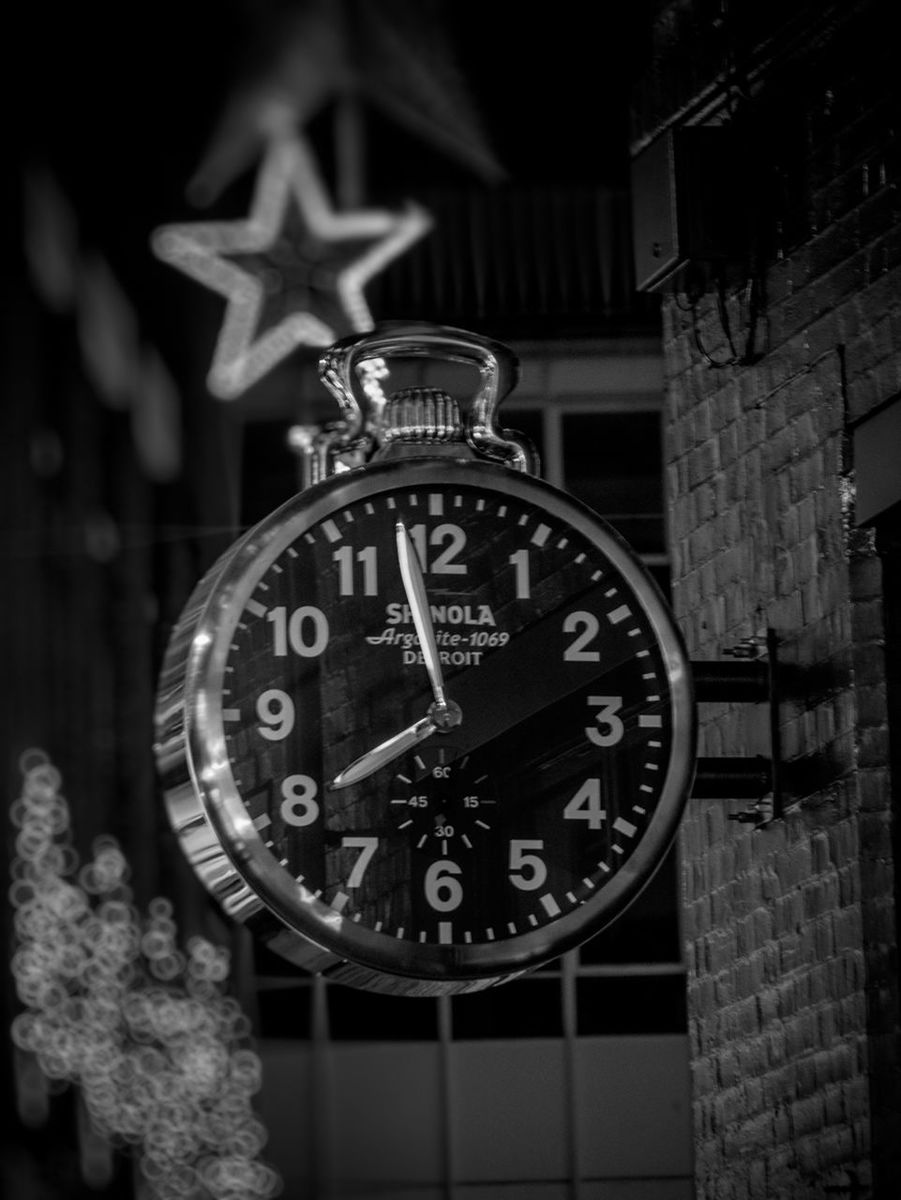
[{"x": 751, "y": 676}]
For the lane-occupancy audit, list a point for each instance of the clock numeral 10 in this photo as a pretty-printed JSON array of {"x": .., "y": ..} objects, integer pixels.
[
  {"x": 366, "y": 557},
  {"x": 305, "y": 631}
]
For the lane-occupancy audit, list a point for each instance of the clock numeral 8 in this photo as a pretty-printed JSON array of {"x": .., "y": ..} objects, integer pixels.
[
  {"x": 299, "y": 804},
  {"x": 443, "y": 892}
]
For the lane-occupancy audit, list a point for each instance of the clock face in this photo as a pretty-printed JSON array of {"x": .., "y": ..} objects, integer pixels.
[{"x": 456, "y": 848}]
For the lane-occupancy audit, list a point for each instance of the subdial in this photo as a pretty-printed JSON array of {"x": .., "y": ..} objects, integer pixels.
[{"x": 439, "y": 801}]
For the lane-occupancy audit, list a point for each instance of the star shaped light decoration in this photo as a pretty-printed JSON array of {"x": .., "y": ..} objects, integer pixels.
[{"x": 293, "y": 271}]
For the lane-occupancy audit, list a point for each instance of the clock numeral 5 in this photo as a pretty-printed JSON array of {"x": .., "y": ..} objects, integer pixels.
[
  {"x": 299, "y": 805},
  {"x": 527, "y": 870},
  {"x": 443, "y": 891},
  {"x": 305, "y": 631},
  {"x": 451, "y": 537},
  {"x": 608, "y": 707}
]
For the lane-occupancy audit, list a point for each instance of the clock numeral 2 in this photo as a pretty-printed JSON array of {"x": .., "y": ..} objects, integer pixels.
[{"x": 586, "y": 627}]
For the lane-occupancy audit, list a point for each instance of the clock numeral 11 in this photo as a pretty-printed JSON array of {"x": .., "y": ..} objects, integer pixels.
[{"x": 366, "y": 557}]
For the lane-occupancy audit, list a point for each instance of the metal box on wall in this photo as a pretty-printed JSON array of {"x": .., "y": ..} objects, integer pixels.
[{"x": 688, "y": 204}]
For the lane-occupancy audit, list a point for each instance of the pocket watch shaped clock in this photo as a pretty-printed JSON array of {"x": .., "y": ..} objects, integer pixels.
[{"x": 429, "y": 724}]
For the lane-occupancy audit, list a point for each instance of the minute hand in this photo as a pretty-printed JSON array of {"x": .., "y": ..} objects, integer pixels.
[{"x": 417, "y": 598}]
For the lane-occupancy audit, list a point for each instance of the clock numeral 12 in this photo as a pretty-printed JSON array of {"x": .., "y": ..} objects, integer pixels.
[{"x": 451, "y": 537}]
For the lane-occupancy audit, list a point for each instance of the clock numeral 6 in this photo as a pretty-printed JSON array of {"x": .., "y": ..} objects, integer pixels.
[
  {"x": 275, "y": 709},
  {"x": 608, "y": 707},
  {"x": 527, "y": 870},
  {"x": 299, "y": 804},
  {"x": 305, "y": 631},
  {"x": 586, "y": 627},
  {"x": 442, "y": 890}
]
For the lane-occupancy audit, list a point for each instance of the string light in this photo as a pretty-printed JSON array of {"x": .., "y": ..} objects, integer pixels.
[{"x": 114, "y": 1005}]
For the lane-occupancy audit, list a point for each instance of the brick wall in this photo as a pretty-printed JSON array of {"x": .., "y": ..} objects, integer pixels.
[{"x": 790, "y": 930}]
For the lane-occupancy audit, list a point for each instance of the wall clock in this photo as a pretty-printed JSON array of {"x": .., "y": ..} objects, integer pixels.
[{"x": 429, "y": 724}]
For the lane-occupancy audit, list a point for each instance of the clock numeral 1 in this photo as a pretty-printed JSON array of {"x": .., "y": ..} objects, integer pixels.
[
  {"x": 366, "y": 557},
  {"x": 443, "y": 891},
  {"x": 299, "y": 805},
  {"x": 586, "y": 805},
  {"x": 519, "y": 560},
  {"x": 367, "y": 847},
  {"x": 305, "y": 631},
  {"x": 527, "y": 870},
  {"x": 608, "y": 707}
]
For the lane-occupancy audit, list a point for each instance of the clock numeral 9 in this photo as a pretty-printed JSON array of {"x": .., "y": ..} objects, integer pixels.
[
  {"x": 275, "y": 709},
  {"x": 366, "y": 557},
  {"x": 305, "y": 631},
  {"x": 586, "y": 627},
  {"x": 299, "y": 805},
  {"x": 527, "y": 871},
  {"x": 454, "y": 540},
  {"x": 442, "y": 890},
  {"x": 608, "y": 707},
  {"x": 586, "y": 805}
]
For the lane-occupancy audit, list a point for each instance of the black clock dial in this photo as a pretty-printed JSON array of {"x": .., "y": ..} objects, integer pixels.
[{"x": 369, "y": 820}]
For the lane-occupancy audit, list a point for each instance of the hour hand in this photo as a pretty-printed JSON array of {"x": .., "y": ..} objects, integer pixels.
[{"x": 379, "y": 756}]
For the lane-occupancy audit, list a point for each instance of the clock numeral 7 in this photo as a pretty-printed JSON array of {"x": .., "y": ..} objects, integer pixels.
[{"x": 367, "y": 847}]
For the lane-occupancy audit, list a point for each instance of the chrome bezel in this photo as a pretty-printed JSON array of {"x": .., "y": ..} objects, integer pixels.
[{"x": 208, "y": 813}]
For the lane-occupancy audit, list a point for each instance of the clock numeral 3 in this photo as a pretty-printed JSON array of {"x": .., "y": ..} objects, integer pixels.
[
  {"x": 299, "y": 804},
  {"x": 608, "y": 707},
  {"x": 586, "y": 627},
  {"x": 442, "y": 890}
]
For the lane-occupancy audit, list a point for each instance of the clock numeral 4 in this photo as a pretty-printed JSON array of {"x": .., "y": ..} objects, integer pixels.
[
  {"x": 443, "y": 890},
  {"x": 275, "y": 711},
  {"x": 586, "y": 805},
  {"x": 299, "y": 805},
  {"x": 305, "y": 631},
  {"x": 451, "y": 537},
  {"x": 367, "y": 558},
  {"x": 608, "y": 728},
  {"x": 586, "y": 627},
  {"x": 527, "y": 870}
]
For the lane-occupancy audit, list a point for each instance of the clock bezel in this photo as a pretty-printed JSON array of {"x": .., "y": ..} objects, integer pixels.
[{"x": 210, "y": 816}]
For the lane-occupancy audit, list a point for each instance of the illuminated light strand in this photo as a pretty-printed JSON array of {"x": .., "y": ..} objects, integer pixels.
[{"x": 115, "y": 1006}]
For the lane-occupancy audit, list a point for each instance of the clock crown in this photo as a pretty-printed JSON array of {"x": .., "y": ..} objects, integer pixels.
[{"x": 421, "y": 415}]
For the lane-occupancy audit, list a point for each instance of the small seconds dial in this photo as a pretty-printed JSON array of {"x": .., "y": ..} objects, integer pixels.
[{"x": 455, "y": 724}]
